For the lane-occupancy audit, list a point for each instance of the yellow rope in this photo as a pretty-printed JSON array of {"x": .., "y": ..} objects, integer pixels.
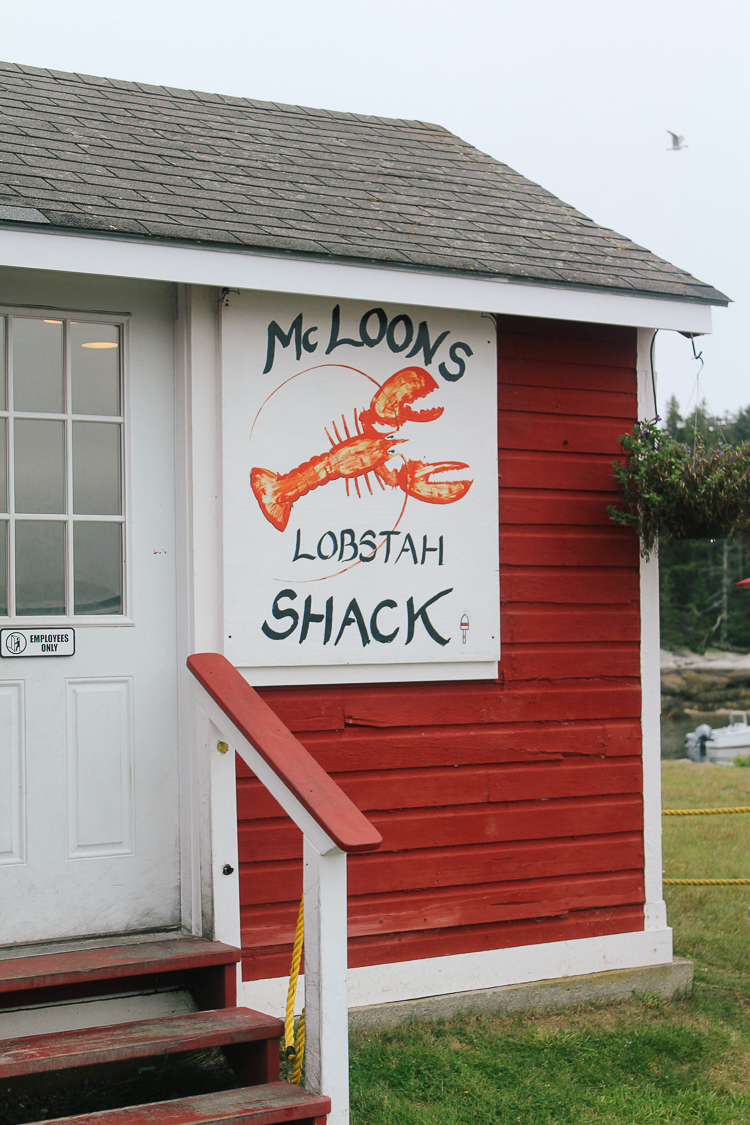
[
  {"x": 706, "y": 882},
  {"x": 702, "y": 812},
  {"x": 290, "y": 1050},
  {"x": 297, "y": 1072}
]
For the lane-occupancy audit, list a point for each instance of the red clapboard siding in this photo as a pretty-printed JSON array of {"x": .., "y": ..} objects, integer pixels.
[
  {"x": 455, "y": 906},
  {"x": 548, "y": 373},
  {"x": 356, "y": 748},
  {"x": 526, "y": 505},
  {"x": 488, "y": 863},
  {"x": 550, "y": 434},
  {"x": 576, "y": 587},
  {"x": 557, "y": 400},
  {"x": 563, "y": 661},
  {"x": 567, "y": 547},
  {"x": 280, "y": 881},
  {"x": 511, "y": 811},
  {"x": 380, "y": 949},
  {"x": 426, "y": 788},
  {"x": 580, "y": 352},
  {"x": 540, "y": 624},
  {"x": 451, "y": 825},
  {"x": 498, "y": 935},
  {"x": 427, "y": 705},
  {"x": 540, "y": 471},
  {"x": 477, "y": 703},
  {"x": 307, "y": 708}
]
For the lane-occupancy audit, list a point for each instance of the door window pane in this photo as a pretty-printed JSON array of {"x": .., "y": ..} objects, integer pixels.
[
  {"x": 2, "y": 363},
  {"x": 96, "y": 469},
  {"x": 3, "y": 467},
  {"x": 38, "y": 365},
  {"x": 95, "y": 368},
  {"x": 39, "y": 465},
  {"x": 97, "y": 567},
  {"x": 4, "y": 568},
  {"x": 61, "y": 507},
  {"x": 40, "y": 567}
]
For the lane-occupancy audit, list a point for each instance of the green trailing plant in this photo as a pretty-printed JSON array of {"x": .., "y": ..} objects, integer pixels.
[{"x": 681, "y": 492}]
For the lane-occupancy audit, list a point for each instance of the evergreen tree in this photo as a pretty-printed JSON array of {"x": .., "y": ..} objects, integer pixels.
[{"x": 700, "y": 605}]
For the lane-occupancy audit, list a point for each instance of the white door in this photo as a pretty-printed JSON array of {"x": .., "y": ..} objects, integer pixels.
[{"x": 88, "y": 758}]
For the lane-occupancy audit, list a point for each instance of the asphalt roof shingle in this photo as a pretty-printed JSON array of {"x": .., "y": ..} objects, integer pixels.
[{"x": 125, "y": 158}]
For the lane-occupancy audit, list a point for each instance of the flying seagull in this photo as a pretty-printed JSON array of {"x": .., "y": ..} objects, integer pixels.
[{"x": 678, "y": 142}]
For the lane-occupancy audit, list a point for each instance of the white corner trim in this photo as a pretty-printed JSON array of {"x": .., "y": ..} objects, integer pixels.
[
  {"x": 465, "y": 972},
  {"x": 116, "y": 257},
  {"x": 655, "y": 911}
]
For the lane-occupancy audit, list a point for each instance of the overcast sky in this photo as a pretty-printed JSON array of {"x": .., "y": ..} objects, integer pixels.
[{"x": 578, "y": 95}]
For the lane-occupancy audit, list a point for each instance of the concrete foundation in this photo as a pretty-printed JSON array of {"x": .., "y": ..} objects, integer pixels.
[{"x": 617, "y": 984}]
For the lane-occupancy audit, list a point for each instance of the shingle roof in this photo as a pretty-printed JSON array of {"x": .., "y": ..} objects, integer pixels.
[{"x": 126, "y": 158}]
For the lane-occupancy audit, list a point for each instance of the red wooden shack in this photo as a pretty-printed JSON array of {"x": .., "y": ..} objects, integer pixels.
[
  {"x": 512, "y": 812},
  {"x": 148, "y": 239}
]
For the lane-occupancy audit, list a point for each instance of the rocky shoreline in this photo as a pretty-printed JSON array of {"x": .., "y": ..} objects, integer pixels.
[
  {"x": 700, "y": 688},
  {"x": 713, "y": 682}
]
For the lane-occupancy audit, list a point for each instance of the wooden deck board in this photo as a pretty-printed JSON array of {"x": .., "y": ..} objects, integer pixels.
[
  {"x": 261, "y": 1105},
  {"x": 113, "y": 962},
  {"x": 34, "y": 1054}
]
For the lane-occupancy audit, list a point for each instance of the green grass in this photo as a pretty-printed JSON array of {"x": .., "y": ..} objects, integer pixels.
[
  {"x": 710, "y": 923},
  {"x": 639, "y": 1061}
]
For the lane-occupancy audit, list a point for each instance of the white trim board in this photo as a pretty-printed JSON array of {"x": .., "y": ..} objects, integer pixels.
[
  {"x": 369, "y": 673},
  {"x": 76, "y": 253},
  {"x": 466, "y": 972},
  {"x": 655, "y": 911}
]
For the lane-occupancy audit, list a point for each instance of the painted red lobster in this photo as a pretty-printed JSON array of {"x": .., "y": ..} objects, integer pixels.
[{"x": 367, "y": 451}]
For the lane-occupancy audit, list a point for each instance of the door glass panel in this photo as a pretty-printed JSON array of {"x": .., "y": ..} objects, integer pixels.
[
  {"x": 61, "y": 509},
  {"x": 3, "y": 468},
  {"x": 38, "y": 365},
  {"x": 40, "y": 567},
  {"x": 95, "y": 368},
  {"x": 39, "y": 465},
  {"x": 2, "y": 363},
  {"x": 97, "y": 568},
  {"x": 96, "y": 469},
  {"x": 4, "y": 568}
]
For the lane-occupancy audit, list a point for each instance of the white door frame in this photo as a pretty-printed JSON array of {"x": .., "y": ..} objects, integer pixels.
[{"x": 208, "y": 801}]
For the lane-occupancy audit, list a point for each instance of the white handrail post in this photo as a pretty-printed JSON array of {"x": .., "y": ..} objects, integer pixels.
[{"x": 326, "y": 1006}]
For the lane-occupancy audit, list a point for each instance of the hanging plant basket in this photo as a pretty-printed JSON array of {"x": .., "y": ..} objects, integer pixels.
[{"x": 679, "y": 491}]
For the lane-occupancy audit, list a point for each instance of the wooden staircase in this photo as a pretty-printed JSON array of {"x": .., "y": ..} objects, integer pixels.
[{"x": 207, "y": 970}]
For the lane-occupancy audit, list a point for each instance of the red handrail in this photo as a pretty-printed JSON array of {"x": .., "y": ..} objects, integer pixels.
[{"x": 326, "y": 803}]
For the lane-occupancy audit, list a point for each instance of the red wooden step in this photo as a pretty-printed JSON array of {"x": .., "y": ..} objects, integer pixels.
[
  {"x": 256, "y": 1105},
  {"x": 114, "y": 962},
  {"x": 34, "y": 1054},
  {"x": 207, "y": 969}
]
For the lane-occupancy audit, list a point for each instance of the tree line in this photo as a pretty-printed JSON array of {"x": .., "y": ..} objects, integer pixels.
[{"x": 700, "y": 605}]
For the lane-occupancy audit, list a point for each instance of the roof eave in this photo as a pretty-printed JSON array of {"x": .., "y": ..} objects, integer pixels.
[{"x": 713, "y": 296}]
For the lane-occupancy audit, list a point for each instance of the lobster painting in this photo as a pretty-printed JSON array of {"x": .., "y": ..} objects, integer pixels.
[{"x": 367, "y": 450}]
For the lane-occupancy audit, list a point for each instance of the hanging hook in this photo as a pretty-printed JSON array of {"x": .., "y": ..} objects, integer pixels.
[
  {"x": 224, "y": 295},
  {"x": 697, "y": 355}
]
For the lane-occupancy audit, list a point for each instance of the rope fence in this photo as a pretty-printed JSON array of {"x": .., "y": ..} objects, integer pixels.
[
  {"x": 703, "y": 812},
  {"x": 705, "y": 882}
]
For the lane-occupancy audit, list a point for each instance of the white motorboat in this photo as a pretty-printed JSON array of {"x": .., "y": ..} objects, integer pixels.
[{"x": 721, "y": 745}]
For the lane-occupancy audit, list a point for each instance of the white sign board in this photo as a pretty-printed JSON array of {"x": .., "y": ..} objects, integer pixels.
[
  {"x": 37, "y": 642},
  {"x": 360, "y": 487}
]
